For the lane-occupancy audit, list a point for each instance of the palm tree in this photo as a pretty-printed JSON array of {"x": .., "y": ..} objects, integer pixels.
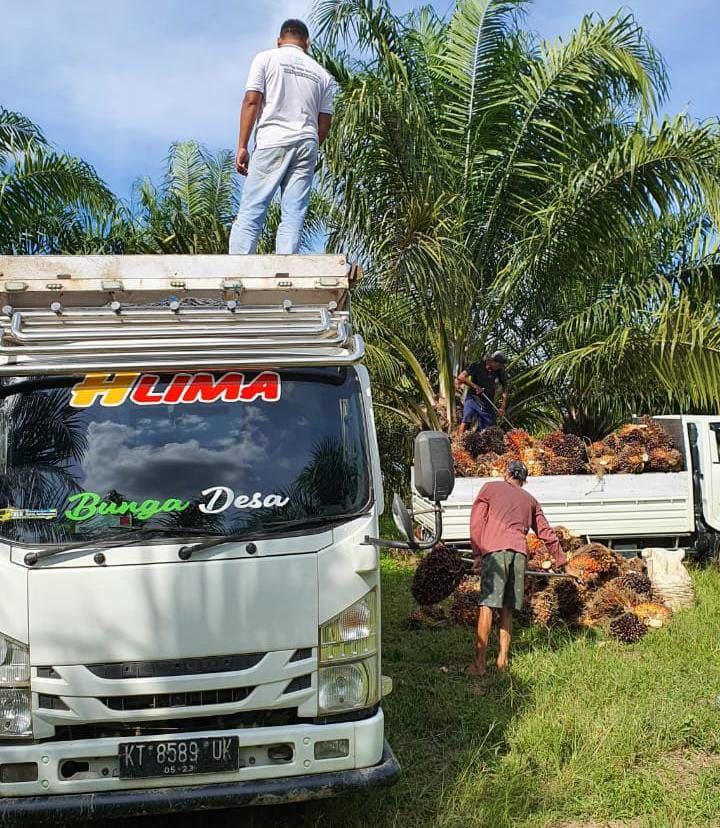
[
  {"x": 40, "y": 437},
  {"x": 194, "y": 206},
  {"x": 496, "y": 187},
  {"x": 47, "y": 199}
]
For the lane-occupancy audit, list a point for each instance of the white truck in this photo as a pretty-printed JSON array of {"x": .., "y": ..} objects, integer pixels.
[
  {"x": 627, "y": 511},
  {"x": 190, "y": 611}
]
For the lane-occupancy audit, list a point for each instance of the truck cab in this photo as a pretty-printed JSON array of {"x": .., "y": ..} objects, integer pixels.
[{"x": 189, "y": 473}]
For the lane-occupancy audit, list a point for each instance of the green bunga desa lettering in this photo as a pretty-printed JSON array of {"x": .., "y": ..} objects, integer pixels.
[{"x": 86, "y": 505}]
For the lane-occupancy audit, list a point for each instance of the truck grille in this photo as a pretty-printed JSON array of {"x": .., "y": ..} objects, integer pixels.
[
  {"x": 158, "y": 701},
  {"x": 182, "y": 667},
  {"x": 121, "y": 730},
  {"x": 147, "y": 695}
]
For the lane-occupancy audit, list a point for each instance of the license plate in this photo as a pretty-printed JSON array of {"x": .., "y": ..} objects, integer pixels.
[{"x": 213, "y": 754}]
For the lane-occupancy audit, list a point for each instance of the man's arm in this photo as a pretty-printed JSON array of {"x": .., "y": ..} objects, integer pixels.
[
  {"x": 478, "y": 519},
  {"x": 324, "y": 122},
  {"x": 545, "y": 532},
  {"x": 463, "y": 378},
  {"x": 248, "y": 118}
]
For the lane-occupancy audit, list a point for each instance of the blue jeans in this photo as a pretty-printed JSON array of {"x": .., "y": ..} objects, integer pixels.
[
  {"x": 289, "y": 169},
  {"x": 473, "y": 410}
]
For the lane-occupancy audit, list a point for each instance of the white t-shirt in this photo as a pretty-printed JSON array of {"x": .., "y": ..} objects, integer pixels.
[{"x": 296, "y": 89}]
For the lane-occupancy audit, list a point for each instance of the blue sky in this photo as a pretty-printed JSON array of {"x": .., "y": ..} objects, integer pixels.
[{"x": 117, "y": 83}]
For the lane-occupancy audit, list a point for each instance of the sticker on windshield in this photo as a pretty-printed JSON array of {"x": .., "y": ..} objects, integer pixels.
[
  {"x": 222, "y": 498},
  {"x": 86, "y": 505},
  {"x": 11, "y": 513},
  {"x": 183, "y": 389}
]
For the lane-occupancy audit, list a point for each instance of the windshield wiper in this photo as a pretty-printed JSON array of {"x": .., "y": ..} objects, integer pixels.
[
  {"x": 138, "y": 533},
  {"x": 271, "y": 529}
]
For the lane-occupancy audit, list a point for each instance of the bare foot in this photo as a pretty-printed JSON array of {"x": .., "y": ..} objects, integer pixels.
[
  {"x": 476, "y": 669},
  {"x": 502, "y": 665}
]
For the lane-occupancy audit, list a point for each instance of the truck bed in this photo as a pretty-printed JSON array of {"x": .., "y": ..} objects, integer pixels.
[{"x": 618, "y": 506}]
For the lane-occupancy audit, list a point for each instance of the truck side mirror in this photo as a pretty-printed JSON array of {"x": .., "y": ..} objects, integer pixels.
[
  {"x": 434, "y": 470},
  {"x": 434, "y": 480}
]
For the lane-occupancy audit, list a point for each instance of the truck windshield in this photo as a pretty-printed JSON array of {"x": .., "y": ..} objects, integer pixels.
[{"x": 199, "y": 452}]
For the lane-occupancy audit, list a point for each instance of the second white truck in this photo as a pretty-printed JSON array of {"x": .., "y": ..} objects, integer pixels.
[{"x": 627, "y": 511}]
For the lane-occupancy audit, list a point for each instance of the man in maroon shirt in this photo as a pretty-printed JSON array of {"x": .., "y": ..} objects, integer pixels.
[{"x": 501, "y": 518}]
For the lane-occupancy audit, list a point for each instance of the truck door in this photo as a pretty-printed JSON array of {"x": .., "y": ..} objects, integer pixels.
[{"x": 709, "y": 452}]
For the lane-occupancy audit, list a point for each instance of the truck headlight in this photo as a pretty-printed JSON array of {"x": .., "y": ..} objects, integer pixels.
[
  {"x": 15, "y": 713},
  {"x": 348, "y": 686},
  {"x": 15, "y": 698},
  {"x": 14, "y": 662},
  {"x": 352, "y": 634},
  {"x": 348, "y": 675}
]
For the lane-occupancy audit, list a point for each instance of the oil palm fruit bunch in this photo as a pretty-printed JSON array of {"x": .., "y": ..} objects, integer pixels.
[
  {"x": 602, "y": 459},
  {"x": 584, "y": 567},
  {"x": 488, "y": 441},
  {"x": 632, "y": 459},
  {"x": 484, "y": 465},
  {"x": 611, "y": 564},
  {"x": 637, "y": 582},
  {"x": 473, "y": 442},
  {"x": 611, "y": 600},
  {"x": 652, "y": 613},
  {"x": 569, "y": 541},
  {"x": 658, "y": 460},
  {"x": 655, "y": 435},
  {"x": 628, "y": 628},
  {"x": 533, "y": 459},
  {"x": 662, "y": 459},
  {"x": 437, "y": 575},
  {"x": 630, "y": 434},
  {"x": 635, "y": 564},
  {"x": 545, "y": 607},
  {"x": 501, "y": 463},
  {"x": 555, "y": 464},
  {"x": 539, "y": 556},
  {"x": 466, "y": 602},
  {"x": 463, "y": 461},
  {"x": 433, "y": 616},
  {"x": 570, "y": 603},
  {"x": 569, "y": 446},
  {"x": 517, "y": 441}
]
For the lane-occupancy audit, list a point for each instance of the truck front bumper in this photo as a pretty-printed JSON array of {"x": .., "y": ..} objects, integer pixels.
[
  {"x": 144, "y": 802},
  {"x": 100, "y": 794}
]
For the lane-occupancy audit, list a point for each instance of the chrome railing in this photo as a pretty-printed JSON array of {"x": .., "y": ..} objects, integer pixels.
[{"x": 172, "y": 337}]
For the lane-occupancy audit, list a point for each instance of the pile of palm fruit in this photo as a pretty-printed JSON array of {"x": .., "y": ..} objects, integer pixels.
[
  {"x": 603, "y": 590},
  {"x": 631, "y": 449}
]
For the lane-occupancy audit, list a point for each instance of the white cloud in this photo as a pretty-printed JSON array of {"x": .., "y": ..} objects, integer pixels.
[
  {"x": 115, "y": 83},
  {"x": 118, "y": 458}
]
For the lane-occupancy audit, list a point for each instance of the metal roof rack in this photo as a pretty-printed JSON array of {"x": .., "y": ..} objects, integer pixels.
[{"x": 207, "y": 326}]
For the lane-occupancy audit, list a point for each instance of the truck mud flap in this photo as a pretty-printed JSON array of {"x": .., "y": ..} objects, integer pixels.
[{"x": 39, "y": 810}]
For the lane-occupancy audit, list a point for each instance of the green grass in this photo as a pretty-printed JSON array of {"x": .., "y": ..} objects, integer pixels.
[{"x": 581, "y": 732}]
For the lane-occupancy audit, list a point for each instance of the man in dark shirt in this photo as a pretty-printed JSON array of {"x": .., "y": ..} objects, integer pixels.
[{"x": 482, "y": 379}]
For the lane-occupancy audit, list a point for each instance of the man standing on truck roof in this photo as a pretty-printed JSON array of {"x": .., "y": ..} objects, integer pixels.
[
  {"x": 482, "y": 379},
  {"x": 289, "y": 96},
  {"x": 501, "y": 518}
]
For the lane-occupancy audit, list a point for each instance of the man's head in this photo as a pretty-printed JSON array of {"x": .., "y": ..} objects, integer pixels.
[
  {"x": 496, "y": 361},
  {"x": 294, "y": 32},
  {"x": 517, "y": 473}
]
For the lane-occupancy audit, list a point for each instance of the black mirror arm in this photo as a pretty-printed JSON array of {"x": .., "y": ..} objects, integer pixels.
[{"x": 428, "y": 544}]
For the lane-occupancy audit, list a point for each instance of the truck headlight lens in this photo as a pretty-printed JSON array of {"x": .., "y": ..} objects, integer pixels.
[
  {"x": 352, "y": 634},
  {"x": 15, "y": 713},
  {"x": 14, "y": 662},
  {"x": 348, "y": 686},
  {"x": 15, "y": 698}
]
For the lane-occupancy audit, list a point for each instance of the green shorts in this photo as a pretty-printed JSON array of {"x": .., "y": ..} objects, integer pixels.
[{"x": 502, "y": 579}]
